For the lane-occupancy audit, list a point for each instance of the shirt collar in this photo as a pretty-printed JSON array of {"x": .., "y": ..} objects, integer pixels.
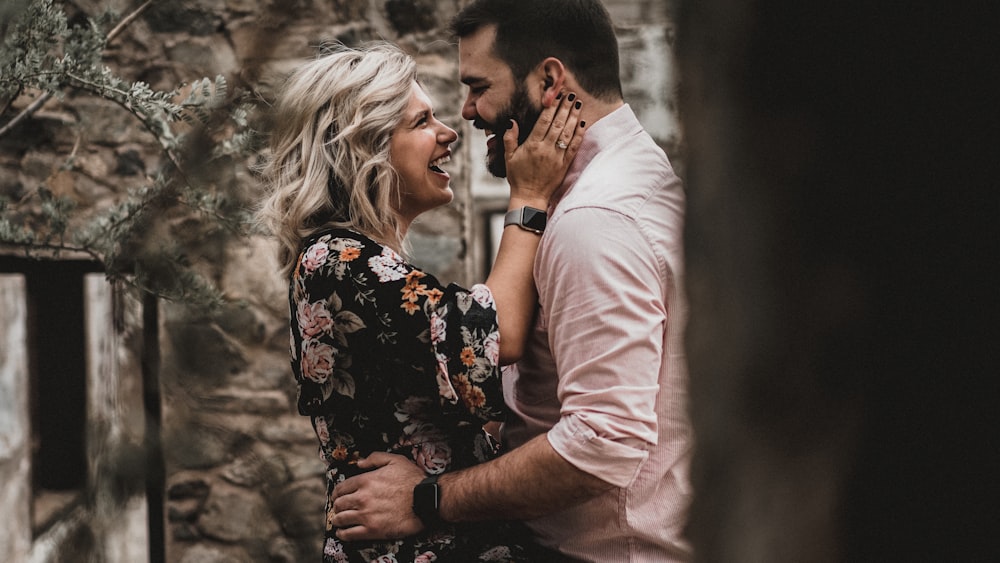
[{"x": 611, "y": 128}]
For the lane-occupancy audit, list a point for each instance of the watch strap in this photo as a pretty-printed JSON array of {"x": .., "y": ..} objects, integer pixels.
[
  {"x": 527, "y": 218},
  {"x": 427, "y": 501}
]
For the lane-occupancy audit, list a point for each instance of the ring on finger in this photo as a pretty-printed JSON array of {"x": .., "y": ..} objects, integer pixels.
[{"x": 562, "y": 144}]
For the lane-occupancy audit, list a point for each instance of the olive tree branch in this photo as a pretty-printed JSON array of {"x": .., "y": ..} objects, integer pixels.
[{"x": 37, "y": 104}]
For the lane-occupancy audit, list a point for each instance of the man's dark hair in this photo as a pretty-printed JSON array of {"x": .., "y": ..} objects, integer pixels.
[{"x": 577, "y": 32}]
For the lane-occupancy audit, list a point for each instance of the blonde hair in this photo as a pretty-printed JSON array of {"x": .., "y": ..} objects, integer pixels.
[{"x": 328, "y": 164}]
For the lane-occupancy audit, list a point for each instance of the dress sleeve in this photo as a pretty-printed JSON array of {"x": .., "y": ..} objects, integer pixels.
[
  {"x": 325, "y": 313},
  {"x": 466, "y": 341},
  {"x": 461, "y": 330}
]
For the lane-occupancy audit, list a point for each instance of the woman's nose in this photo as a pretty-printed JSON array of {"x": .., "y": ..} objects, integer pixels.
[{"x": 448, "y": 135}]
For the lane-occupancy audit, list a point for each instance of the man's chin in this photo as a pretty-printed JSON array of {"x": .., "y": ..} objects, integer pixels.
[{"x": 495, "y": 164}]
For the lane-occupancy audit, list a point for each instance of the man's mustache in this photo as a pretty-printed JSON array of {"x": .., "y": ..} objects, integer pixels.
[{"x": 479, "y": 123}]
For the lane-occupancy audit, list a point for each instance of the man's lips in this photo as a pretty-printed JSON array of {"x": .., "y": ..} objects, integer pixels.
[
  {"x": 494, "y": 134},
  {"x": 493, "y": 139}
]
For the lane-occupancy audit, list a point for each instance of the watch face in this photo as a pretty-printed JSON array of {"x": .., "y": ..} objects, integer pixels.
[
  {"x": 533, "y": 219},
  {"x": 425, "y": 499}
]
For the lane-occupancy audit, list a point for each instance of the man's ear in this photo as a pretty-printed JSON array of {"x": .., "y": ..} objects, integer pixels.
[{"x": 553, "y": 75}]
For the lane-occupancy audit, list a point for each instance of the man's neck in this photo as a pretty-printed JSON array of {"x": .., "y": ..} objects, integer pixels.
[{"x": 594, "y": 109}]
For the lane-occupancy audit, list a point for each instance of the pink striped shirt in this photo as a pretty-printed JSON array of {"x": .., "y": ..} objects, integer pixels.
[{"x": 612, "y": 312}]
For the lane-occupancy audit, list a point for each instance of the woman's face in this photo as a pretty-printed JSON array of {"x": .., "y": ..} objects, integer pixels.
[{"x": 418, "y": 148}]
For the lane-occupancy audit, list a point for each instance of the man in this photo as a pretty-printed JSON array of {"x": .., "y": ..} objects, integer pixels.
[{"x": 599, "y": 431}]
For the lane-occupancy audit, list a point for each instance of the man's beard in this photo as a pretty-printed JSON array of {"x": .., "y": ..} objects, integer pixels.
[{"x": 519, "y": 109}]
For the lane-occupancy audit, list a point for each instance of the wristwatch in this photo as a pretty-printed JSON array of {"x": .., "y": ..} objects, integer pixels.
[
  {"x": 528, "y": 218},
  {"x": 427, "y": 501}
]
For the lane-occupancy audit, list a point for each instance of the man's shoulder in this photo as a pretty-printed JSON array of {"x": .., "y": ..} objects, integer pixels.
[
  {"x": 639, "y": 155},
  {"x": 625, "y": 178}
]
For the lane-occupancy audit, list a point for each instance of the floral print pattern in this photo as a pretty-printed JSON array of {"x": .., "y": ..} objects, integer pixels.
[{"x": 388, "y": 359}]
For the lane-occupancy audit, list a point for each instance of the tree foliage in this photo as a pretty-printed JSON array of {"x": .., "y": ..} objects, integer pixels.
[{"x": 42, "y": 57}]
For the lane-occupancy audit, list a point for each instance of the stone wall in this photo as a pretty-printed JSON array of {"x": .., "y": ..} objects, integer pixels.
[{"x": 243, "y": 481}]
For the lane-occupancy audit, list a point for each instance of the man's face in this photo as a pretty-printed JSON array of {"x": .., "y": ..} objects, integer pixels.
[{"x": 494, "y": 96}]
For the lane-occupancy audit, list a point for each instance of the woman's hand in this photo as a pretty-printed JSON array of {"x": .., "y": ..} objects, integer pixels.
[{"x": 536, "y": 168}]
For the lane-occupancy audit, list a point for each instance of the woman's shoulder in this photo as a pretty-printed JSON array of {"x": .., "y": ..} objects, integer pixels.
[
  {"x": 329, "y": 234},
  {"x": 336, "y": 239}
]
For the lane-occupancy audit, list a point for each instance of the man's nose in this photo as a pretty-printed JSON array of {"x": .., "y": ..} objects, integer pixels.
[{"x": 469, "y": 109}]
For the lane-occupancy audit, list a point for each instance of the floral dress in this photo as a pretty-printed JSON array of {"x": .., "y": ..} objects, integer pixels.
[{"x": 387, "y": 359}]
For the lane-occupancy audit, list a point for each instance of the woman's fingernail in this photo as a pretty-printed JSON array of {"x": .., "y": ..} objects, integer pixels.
[
  {"x": 559, "y": 96},
  {"x": 578, "y": 104},
  {"x": 571, "y": 97},
  {"x": 582, "y": 124}
]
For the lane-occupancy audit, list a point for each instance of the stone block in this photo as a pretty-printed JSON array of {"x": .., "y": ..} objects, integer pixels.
[
  {"x": 409, "y": 16},
  {"x": 185, "y": 531},
  {"x": 204, "y": 349},
  {"x": 232, "y": 514},
  {"x": 182, "y": 16},
  {"x": 193, "y": 445},
  {"x": 184, "y": 510},
  {"x": 105, "y": 122},
  {"x": 205, "y": 553},
  {"x": 188, "y": 485},
  {"x": 240, "y": 321},
  {"x": 282, "y": 550},
  {"x": 204, "y": 56},
  {"x": 256, "y": 471},
  {"x": 304, "y": 463},
  {"x": 292, "y": 429},
  {"x": 270, "y": 371},
  {"x": 300, "y": 509},
  {"x": 238, "y": 401}
]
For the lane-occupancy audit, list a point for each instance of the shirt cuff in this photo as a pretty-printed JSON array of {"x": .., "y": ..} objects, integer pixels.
[{"x": 615, "y": 462}]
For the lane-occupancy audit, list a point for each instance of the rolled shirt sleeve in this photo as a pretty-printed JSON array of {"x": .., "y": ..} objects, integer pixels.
[{"x": 607, "y": 315}]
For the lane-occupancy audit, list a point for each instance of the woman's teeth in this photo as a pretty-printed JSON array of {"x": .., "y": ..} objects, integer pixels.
[{"x": 436, "y": 165}]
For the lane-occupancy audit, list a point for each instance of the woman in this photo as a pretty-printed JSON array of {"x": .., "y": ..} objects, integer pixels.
[{"x": 387, "y": 358}]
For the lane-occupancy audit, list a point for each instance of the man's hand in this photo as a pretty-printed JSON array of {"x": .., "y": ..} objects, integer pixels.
[{"x": 378, "y": 504}]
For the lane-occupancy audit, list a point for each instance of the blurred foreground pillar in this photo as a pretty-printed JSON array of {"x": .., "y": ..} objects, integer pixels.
[{"x": 841, "y": 244}]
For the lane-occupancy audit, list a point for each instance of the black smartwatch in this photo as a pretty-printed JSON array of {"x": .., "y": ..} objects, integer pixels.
[
  {"x": 427, "y": 501},
  {"x": 528, "y": 218}
]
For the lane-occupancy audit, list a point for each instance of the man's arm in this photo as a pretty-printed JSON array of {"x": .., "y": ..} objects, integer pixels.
[{"x": 528, "y": 482}]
